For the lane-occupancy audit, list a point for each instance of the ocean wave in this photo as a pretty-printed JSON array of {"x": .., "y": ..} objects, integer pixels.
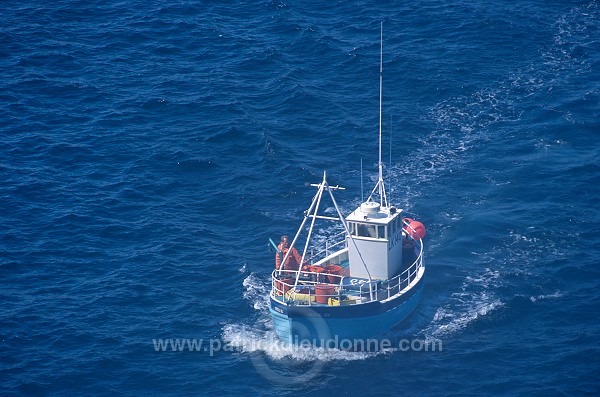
[{"x": 477, "y": 297}]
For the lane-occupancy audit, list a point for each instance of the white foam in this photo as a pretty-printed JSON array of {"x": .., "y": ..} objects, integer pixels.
[
  {"x": 246, "y": 339},
  {"x": 257, "y": 292},
  {"x": 447, "y": 321},
  {"x": 261, "y": 336},
  {"x": 474, "y": 300},
  {"x": 557, "y": 294}
]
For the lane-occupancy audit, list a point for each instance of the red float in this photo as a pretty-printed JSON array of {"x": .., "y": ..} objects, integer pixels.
[{"x": 415, "y": 229}]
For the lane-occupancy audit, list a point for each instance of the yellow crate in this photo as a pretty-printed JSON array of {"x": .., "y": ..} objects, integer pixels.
[{"x": 344, "y": 302}]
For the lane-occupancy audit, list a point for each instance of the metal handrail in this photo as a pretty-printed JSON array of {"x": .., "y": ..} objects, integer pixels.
[
  {"x": 291, "y": 286},
  {"x": 339, "y": 238},
  {"x": 392, "y": 285},
  {"x": 404, "y": 278}
]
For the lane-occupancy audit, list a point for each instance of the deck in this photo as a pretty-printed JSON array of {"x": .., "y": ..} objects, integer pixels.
[{"x": 328, "y": 282}]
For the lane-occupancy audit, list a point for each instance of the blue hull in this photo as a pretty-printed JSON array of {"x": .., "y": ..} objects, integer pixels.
[{"x": 318, "y": 324}]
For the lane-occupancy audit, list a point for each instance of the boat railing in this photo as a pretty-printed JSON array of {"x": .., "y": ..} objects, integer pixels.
[
  {"x": 308, "y": 287},
  {"x": 335, "y": 241},
  {"x": 404, "y": 279},
  {"x": 312, "y": 287}
]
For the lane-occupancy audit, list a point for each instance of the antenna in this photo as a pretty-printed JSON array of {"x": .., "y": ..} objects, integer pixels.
[
  {"x": 391, "y": 132},
  {"x": 382, "y": 198},
  {"x": 362, "y": 195},
  {"x": 380, "y": 187},
  {"x": 380, "y": 97}
]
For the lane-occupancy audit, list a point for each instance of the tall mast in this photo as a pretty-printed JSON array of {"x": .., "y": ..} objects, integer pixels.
[
  {"x": 380, "y": 187},
  {"x": 382, "y": 198}
]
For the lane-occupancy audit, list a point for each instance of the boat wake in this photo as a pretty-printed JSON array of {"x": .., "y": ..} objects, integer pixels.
[
  {"x": 509, "y": 271},
  {"x": 260, "y": 336},
  {"x": 247, "y": 339},
  {"x": 475, "y": 299},
  {"x": 461, "y": 126},
  {"x": 534, "y": 299}
]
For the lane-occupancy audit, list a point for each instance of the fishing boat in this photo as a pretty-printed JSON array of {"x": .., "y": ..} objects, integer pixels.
[{"x": 362, "y": 282}]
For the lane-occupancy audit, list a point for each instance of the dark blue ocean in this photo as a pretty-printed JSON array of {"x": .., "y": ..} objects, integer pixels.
[{"x": 149, "y": 149}]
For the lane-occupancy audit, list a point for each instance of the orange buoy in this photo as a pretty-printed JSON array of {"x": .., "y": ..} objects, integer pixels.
[
  {"x": 416, "y": 230},
  {"x": 334, "y": 271}
]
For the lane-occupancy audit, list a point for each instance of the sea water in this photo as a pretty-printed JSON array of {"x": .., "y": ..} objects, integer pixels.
[{"x": 149, "y": 149}]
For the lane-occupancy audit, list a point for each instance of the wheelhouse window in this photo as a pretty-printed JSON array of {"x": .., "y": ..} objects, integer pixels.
[{"x": 367, "y": 230}]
